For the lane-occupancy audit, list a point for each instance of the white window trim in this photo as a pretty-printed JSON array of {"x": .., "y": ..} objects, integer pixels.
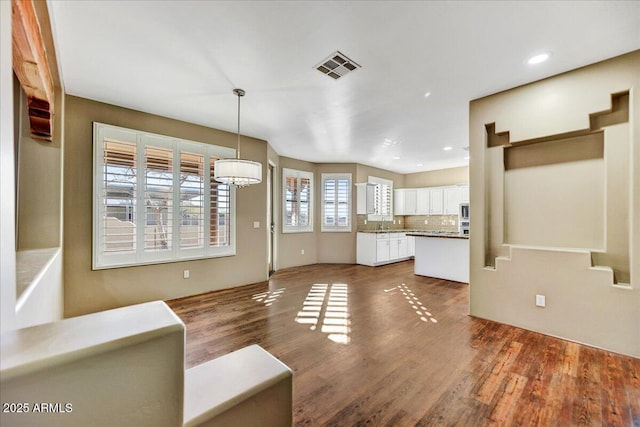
[
  {"x": 298, "y": 174},
  {"x": 377, "y": 216},
  {"x": 336, "y": 228},
  {"x": 103, "y": 261}
]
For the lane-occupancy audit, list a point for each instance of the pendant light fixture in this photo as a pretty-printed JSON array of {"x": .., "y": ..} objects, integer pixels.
[{"x": 238, "y": 172}]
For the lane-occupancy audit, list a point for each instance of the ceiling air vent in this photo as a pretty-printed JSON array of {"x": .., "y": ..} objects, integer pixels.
[{"x": 337, "y": 65}]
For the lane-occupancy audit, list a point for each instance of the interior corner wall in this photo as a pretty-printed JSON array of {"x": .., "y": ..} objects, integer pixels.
[
  {"x": 39, "y": 182},
  {"x": 89, "y": 291},
  {"x": 437, "y": 178},
  {"x": 336, "y": 247},
  {"x": 291, "y": 245},
  {"x": 363, "y": 172},
  {"x": 583, "y": 303},
  {"x": 7, "y": 176}
]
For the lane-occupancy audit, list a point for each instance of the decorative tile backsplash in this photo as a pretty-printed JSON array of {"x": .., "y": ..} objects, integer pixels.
[
  {"x": 375, "y": 225},
  {"x": 413, "y": 222}
]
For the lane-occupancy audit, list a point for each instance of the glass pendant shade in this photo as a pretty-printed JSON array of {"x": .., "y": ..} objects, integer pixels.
[{"x": 238, "y": 172}]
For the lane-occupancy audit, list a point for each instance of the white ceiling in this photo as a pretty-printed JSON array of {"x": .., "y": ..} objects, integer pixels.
[{"x": 181, "y": 59}]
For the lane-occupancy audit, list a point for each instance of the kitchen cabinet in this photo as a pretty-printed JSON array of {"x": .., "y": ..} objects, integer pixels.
[
  {"x": 381, "y": 248},
  {"x": 430, "y": 200},
  {"x": 436, "y": 201},
  {"x": 404, "y": 201},
  {"x": 365, "y": 198},
  {"x": 452, "y": 200},
  {"x": 464, "y": 191},
  {"x": 422, "y": 201}
]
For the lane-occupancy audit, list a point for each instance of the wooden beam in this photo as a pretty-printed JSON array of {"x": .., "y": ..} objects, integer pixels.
[{"x": 32, "y": 68}]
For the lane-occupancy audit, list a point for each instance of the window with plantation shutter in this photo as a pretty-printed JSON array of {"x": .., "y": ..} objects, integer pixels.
[
  {"x": 155, "y": 199},
  {"x": 118, "y": 196},
  {"x": 383, "y": 201},
  {"x": 336, "y": 202},
  {"x": 297, "y": 201},
  {"x": 191, "y": 200},
  {"x": 220, "y": 213}
]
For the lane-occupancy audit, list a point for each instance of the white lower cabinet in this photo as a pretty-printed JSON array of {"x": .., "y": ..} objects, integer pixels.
[{"x": 381, "y": 248}]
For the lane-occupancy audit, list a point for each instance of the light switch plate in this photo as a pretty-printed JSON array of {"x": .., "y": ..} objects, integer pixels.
[
  {"x": 540, "y": 301},
  {"x": 256, "y": 224},
  {"x": 185, "y": 274}
]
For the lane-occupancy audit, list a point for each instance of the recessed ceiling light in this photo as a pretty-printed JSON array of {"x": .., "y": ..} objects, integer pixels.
[
  {"x": 396, "y": 158},
  {"x": 388, "y": 140},
  {"x": 447, "y": 148},
  {"x": 419, "y": 164},
  {"x": 536, "y": 59},
  {"x": 427, "y": 94}
]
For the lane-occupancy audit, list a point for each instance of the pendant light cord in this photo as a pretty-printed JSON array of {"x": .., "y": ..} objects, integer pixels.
[
  {"x": 238, "y": 151},
  {"x": 240, "y": 93}
]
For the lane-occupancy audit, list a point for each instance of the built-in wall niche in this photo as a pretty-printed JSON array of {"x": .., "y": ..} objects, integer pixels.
[
  {"x": 554, "y": 193},
  {"x": 564, "y": 191}
]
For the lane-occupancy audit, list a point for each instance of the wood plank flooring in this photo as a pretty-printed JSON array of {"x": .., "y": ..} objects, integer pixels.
[{"x": 394, "y": 349}]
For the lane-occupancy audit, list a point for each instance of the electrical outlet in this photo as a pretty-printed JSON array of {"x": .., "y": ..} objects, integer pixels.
[
  {"x": 365, "y": 222},
  {"x": 301, "y": 251},
  {"x": 540, "y": 301},
  {"x": 185, "y": 274},
  {"x": 426, "y": 221},
  {"x": 256, "y": 224}
]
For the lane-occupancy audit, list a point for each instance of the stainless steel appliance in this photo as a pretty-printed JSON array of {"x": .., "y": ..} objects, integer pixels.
[{"x": 463, "y": 219}]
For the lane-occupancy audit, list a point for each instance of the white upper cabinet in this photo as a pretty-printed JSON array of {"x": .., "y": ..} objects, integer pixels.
[
  {"x": 430, "y": 200},
  {"x": 422, "y": 196},
  {"x": 452, "y": 200},
  {"x": 464, "y": 190},
  {"x": 436, "y": 201},
  {"x": 365, "y": 198},
  {"x": 405, "y": 201}
]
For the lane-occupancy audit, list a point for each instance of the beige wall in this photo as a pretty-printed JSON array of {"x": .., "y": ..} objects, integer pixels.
[
  {"x": 39, "y": 182},
  {"x": 89, "y": 291},
  {"x": 363, "y": 173},
  {"x": 291, "y": 245},
  {"x": 437, "y": 178},
  {"x": 336, "y": 247},
  {"x": 584, "y": 302}
]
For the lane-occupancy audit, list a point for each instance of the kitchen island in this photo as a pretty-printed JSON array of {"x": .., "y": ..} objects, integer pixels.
[{"x": 442, "y": 255}]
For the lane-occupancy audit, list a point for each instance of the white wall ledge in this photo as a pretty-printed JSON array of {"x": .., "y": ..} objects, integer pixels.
[{"x": 44, "y": 346}]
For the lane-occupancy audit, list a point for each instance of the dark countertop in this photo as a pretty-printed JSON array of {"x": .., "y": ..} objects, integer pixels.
[
  {"x": 401, "y": 230},
  {"x": 446, "y": 235},
  {"x": 419, "y": 233}
]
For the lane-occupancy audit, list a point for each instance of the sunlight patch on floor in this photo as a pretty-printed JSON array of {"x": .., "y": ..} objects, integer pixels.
[
  {"x": 268, "y": 297},
  {"x": 332, "y": 308},
  {"x": 415, "y": 303}
]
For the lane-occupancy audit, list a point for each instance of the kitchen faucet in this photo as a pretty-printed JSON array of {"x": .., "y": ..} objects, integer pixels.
[{"x": 382, "y": 223}]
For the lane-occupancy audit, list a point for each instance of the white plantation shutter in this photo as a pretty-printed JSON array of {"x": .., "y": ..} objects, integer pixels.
[
  {"x": 383, "y": 198},
  {"x": 297, "y": 201},
  {"x": 220, "y": 218},
  {"x": 336, "y": 202},
  {"x": 192, "y": 221},
  {"x": 155, "y": 199},
  {"x": 158, "y": 199},
  {"x": 118, "y": 197}
]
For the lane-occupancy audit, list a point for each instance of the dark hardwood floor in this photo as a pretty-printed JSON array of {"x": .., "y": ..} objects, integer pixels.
[{"x": 379, "y": 346}]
